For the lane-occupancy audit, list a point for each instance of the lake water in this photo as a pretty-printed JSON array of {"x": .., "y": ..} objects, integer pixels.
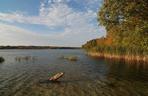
[{"x": 87, "y": 76}]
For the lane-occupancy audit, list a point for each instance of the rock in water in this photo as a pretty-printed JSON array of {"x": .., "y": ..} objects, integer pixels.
[
  {"x": 2, "y": 59},
  {"x": 56, "y": 76}
]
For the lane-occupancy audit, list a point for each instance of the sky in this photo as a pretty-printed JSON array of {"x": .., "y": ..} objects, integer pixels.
[{"x": 49, "y": 22}]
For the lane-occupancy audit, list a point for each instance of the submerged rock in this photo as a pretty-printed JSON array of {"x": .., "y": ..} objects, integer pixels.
[
  {"x": 2, "y": 59},
  {"x": 73, "y": 58},
  {"x": 70, "y": 58}
]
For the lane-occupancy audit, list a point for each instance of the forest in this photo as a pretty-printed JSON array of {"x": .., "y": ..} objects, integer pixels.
[{"x": 126, "y": 23}]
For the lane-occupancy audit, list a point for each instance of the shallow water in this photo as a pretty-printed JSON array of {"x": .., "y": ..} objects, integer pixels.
[{"x": 86, "y": 77}]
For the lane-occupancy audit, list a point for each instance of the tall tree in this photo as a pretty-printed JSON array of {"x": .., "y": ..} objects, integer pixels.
[{"x": 126, "y": 21}]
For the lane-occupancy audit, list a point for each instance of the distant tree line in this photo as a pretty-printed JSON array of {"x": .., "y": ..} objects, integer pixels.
[
  {"x": 126, "y": 23},
  {"x": 37, "y": 47}
]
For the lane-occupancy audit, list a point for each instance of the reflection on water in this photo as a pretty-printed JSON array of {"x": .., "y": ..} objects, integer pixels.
[
  {"x": 133, "y": 71},
  {"x": 25, "y": 73}
]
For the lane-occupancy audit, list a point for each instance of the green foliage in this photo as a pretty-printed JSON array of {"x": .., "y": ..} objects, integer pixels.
[
  {"x": 126, "y": 22},
  {"x": 90, "y": 44}
]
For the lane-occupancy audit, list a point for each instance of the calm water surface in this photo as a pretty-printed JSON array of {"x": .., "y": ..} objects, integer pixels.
[{"x": 86, "y": 77}]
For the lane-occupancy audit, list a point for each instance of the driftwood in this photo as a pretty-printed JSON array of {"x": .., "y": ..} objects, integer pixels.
[{"x": 56, "y": 76}]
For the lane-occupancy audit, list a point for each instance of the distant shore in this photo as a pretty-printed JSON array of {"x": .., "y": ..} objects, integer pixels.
[
  {"x": 122, "y": 57},
  {"x": 37, "y": 47}
]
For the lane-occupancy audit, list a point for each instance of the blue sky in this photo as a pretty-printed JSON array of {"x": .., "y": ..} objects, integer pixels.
[{"x": 49, "y": 22}]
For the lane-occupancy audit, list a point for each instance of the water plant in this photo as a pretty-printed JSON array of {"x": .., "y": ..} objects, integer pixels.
[{"x": 25, "y": 58}]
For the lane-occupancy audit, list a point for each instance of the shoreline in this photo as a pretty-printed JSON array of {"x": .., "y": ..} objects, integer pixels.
[
  {"x": 37, "y": 47},
  {"x": 119, "y": 57}
]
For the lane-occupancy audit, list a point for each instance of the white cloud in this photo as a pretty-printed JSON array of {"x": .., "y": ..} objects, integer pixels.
[
  {"x": 77, "y": 24},
  {"x": 56, "y": 14},
  {"x": 58, "y": 1},
  {"x": 51, "y": 16},
  {"x": 12, "y": 35}
]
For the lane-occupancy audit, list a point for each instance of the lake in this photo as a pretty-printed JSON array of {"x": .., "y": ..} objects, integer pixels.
[{"x": 88, "y": 76}]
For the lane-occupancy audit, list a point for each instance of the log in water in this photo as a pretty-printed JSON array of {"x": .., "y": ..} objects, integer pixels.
[{"x": 56, "y": 76}]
